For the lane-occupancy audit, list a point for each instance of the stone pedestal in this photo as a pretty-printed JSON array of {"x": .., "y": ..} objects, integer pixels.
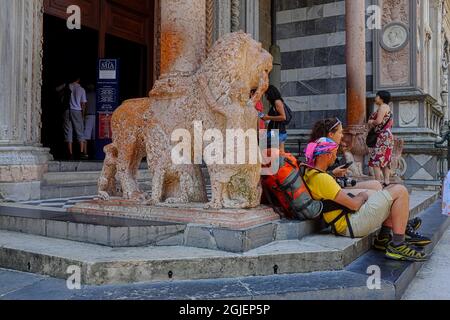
[
  {"x": 190, "y": 213},
  {"x": 23, "y": 161}
]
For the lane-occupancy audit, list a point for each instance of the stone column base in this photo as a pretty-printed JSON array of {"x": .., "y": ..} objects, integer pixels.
[
  {"x": 425, "y": 164},
  {"x": 21, "y": 172}
]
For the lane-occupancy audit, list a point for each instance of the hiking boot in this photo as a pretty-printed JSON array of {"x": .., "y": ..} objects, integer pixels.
[
  {"x": 416, "y": 239},
  {"x": 381, "y": 243},
  {"x": 405, "y": 252},
  {"x": 414, "y": 224}
]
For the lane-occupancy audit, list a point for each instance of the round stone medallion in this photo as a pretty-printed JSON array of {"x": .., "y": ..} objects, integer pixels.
[{"x": 395, "y": 36}]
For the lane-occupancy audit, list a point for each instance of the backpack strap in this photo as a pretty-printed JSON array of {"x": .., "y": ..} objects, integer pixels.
[
  {"x": 345, "y": 214},
  {"x": 329, "y": 206},
  {"x": 385, "y": 125}
]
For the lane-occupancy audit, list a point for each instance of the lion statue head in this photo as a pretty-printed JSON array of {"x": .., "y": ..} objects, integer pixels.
[{"x": 235, "y": 57}]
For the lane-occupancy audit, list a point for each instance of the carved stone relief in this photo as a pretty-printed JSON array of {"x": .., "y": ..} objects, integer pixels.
[
  {"x": 395, "y": 44},
  {"x": 395, "y": 67},
  {"x": 395, "y": 10},
  {"x": 409, "y": 114}
]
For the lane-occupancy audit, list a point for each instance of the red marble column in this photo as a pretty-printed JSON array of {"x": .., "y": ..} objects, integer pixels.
[
  {"x": 183, "y": 41},
  {"x": 356, "y": 76}
]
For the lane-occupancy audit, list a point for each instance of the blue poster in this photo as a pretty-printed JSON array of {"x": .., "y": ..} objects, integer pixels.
[{"x": 108, "y": 77}]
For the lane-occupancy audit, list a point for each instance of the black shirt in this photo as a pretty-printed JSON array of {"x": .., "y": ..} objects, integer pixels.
[{"x": 276, "y": 125}]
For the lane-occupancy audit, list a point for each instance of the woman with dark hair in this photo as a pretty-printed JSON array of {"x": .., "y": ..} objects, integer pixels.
[
  {"x": 333, "y": 129},
  {"x": 277, "y": 115},
  {"x": 382, "y": 121}
]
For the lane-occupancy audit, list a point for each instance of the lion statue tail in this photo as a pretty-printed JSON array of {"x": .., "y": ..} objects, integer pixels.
[{"x": 107, "y": 180}]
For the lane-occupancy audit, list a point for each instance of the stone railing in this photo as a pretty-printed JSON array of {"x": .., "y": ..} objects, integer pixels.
[{"x": 436, "y": 119}]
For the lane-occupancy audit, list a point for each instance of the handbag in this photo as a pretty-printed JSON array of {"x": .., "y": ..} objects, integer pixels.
[{"x": 372, "y": 136}]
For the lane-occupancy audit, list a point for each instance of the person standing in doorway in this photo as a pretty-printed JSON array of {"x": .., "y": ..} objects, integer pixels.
[
  {"x": 382, "y": 121},
  {"x": 74, "y": 117}
]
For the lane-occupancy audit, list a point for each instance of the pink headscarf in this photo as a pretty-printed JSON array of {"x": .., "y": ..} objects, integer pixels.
[{"x": 315, "y": 149}]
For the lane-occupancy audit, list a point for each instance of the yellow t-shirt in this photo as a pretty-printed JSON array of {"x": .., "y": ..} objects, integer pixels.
[{"x": 324, "y": 187}]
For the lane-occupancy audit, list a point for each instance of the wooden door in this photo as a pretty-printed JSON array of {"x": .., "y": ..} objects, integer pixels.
[{"x": 132, "y": 20}]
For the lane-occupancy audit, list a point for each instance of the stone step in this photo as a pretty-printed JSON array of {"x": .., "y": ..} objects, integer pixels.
[
  {"x": 77, "y": 227},
  {"x": 88, "y": 166},
  {"x": 78, "y": 179},
  {"x": 398, "y": 275},
  {"x": 76, "y": 189},
  {"x": 69, "y": 184},
  {"x": 123, "y": 232},
  {"x": 79, "y": 166},
  {"x": 106, "y": 265},
  {"x": 347, "y": 284}
]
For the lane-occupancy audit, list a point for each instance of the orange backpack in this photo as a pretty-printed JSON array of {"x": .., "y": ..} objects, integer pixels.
[{"x": 288, "y": 190}]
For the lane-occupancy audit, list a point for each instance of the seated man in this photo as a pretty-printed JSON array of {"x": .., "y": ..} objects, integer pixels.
[{"x": 388, "y": 208}]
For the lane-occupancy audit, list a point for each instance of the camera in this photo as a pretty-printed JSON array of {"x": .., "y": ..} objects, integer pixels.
[{"x": 346, "y": 182}]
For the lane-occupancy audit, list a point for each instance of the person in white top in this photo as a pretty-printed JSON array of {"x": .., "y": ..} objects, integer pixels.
[{"x": 74, "y": 117}]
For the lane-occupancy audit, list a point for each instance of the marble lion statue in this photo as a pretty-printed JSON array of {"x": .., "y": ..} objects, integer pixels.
[{"x": 144, "y": 127}]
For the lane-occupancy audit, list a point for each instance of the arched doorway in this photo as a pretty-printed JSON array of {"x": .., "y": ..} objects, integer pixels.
[{"x": 110, "y": 29}]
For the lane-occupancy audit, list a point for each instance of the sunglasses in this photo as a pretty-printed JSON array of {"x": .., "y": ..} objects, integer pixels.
[{"x": 339, "y": 122}]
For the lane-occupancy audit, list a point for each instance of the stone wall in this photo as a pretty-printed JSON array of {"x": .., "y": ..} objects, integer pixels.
[
  {"x": 311, "y": 35},
  {"x": 22, "y": 159}
]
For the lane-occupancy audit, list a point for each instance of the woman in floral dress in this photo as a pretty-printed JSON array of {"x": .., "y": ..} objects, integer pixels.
[{"x": 382, "y": 121}]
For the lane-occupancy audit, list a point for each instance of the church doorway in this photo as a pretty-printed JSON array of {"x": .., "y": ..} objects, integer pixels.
[
  {"x": 65, "y": 52},
  {"x": 122, "y": 31}
]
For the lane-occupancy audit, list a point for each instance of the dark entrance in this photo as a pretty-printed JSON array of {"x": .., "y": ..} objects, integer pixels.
[
  {"x": 65, "y": 52},
  {"x": 109, "y": 30},
  {"x": 133, "y": 64}
]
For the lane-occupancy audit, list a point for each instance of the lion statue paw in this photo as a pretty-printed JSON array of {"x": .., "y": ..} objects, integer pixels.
[
  {"x": 213, "y": 206},
  {"x": 104, "y": 196},
  {"x": 177, "y": 200}
]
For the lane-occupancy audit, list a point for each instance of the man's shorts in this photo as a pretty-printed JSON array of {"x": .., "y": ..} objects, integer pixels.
[
  {"x": 73, "y": 119},
  {"x": 371, "y": 215}
]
